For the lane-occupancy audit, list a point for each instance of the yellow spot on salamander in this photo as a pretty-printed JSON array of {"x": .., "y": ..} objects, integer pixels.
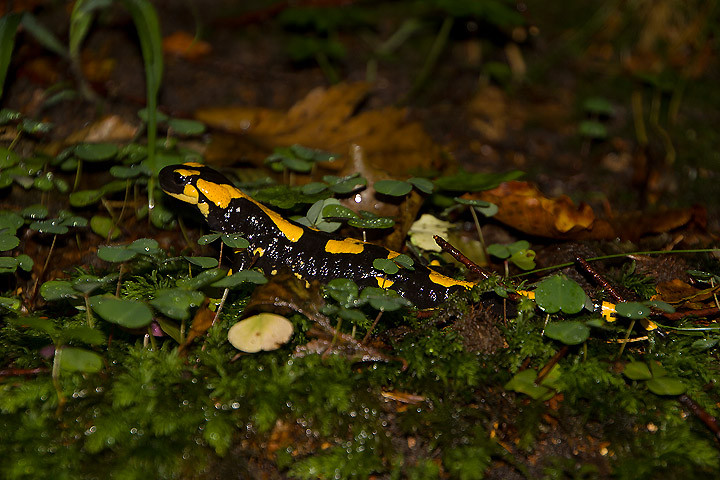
[
  {"x": 222, "y": 194},
  {"x": 448, "y": 282},
  {"x": 392, "y": 254},
  {"x": 527, "y": 294},
  {"x": 189, "y": 195},
  {"x": 259, "y": 252},
  {"x": 218, "y": 193},
  {"x": 607, "y": 310},
  {"x": 291, "y": 231},
  {"x": 648, "y": 324},
  {"x": 204, "y": 208},
  {"x": 383, "y": 282},
  {"x": 185, "y": 172},
  {"x": 348, "y": 245}
]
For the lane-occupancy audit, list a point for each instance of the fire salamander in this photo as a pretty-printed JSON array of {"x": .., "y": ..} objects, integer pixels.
[{"x": 276, "y": 242}]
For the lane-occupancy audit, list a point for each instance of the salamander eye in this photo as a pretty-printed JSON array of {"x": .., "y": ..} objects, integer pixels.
[{"x": 178, "y": 178}]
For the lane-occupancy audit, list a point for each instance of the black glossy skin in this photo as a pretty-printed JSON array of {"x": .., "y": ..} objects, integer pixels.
[{"x": 306, "y": 256}]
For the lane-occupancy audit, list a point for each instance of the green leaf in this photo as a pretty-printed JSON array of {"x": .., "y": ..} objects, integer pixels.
[
  {"x": 96, "y": 152},
  {"x": 660, "y": 305},
  {"x": 335, "y": 210},
  {"x": 34, "y": 127},
  {"x": 313, "y": 188},
  {"x": 115, "y": 254},
  {"x": 73, "y": 221},
  {"x": 352, "y": 314},
  {"x": 143, "y": 115},
  {"x": 488, "y": 211},
  {"x": 598, "y": 106},
  {"x": 86, "y": 284},
  {"x": 145, "y": 246},
  {"x": 85, "y": 334},
  {"x": 422, "y": 184},
  {"x": 25, "y": 262},
  {"x": 57, "y": 289},
  {"x": 666, "y": 386},
  {"x": 345, "y": 185},
  {"x": 104, "y": 227},
  {"x": 524, "y": 259},
  {"x": 53, "y": 226},
  {"x": 8, "y": 264},
  {"x": 10, "y": 303},
  {"x": 315, "y": 218},
  {"x": 637, "y": 371},
  {"x": 343, "y": 290},
  {"x": 395, "y": 188},
  {"x": 243, "y": 276},
  {"x": 8, "y": 158},
  {"x": 475, "y": 182},
  {"x": 524, "y": 382},
  {"x": 569, "y": 333},
  {"x": 385, "y": 265},
  {"x": 44, "y": 182},
  {"x": 202, "y": 262},
  {"x": 35, "y": 212},
  {"x": 382, "y": 299},
  {"x": 83, "y": 198},
  {"x": 44, "y": 325},
  {"x": 80, "y": 360},
  {"x": 592, "y": 129},
  {"x": 7, "y": 115},
  {"x": 472, "y": 202},
  {"x": 632, "y": 310},
  {"x": 265, "y": 331},
  {"x": 235, "y": 240},
  {"x": 705, "y": 343},
  {"x": 370, "y": 220},
  {"x": 404, "y": 261},
  {"x": 10, "y": 222},
  {"x": 177, "y": 302},
  {"x": 124, "y": 312},
  {"x": 204, "y": 279},
  {"x": 208, "y": 239},
  {"x": 119, "y": 171},
  {"x": 188, "y": 127},
  {"x": 560, "y": 293},
  {"x": 8, "y": 242}
]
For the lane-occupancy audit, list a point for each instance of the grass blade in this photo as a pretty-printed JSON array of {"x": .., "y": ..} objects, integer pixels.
[{"x": 8, "y": 27}]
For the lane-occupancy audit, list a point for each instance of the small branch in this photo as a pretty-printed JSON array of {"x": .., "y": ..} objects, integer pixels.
[
  {"x": 710, "y": 421},
  {"x": 587, "y": 268},
  {"x": 457, "y": 255},
  {"x": 550, "y": 364}
]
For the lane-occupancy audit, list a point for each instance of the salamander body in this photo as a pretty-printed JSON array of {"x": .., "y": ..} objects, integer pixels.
[{"x": 276, "y": 242}]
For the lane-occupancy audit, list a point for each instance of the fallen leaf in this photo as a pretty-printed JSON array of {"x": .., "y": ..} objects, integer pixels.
[
  {"x": 379, "y": 144},
  {"x": 265, "y": 331},
  {"x": 108, "y": 129},
  {"x": 523, "y": 207},
  {"x": 677, "y": 292},
  {"x": 202, "y": 321},
  {"x": 182, "y": 44}
]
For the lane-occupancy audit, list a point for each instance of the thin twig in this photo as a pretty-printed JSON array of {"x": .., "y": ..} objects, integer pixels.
[
  {"x": 457, "y": 255},
  {"x": 550, "y": 364},
  {"x": 710, "y": 421},
  {"x": 587, "y": 268}
]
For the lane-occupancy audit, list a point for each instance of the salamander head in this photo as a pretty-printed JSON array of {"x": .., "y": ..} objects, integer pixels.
[{"x": 198, "y": 185}]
